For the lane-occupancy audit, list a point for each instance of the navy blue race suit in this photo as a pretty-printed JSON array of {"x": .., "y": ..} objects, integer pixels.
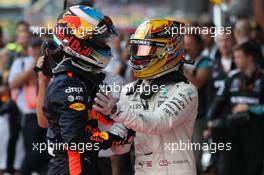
[{"x": 68, "y": 101}]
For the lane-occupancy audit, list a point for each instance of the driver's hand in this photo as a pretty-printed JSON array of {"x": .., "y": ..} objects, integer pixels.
[{"x": 104, "y": 102}]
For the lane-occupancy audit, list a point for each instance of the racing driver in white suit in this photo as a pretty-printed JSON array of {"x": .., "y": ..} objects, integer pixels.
[{"x": 160, "y": 106}]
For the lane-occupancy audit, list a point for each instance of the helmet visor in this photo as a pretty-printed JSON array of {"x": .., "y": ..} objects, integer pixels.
[
  {"x": 140, "y": 62},
  {"x": 145, "y": 48}
]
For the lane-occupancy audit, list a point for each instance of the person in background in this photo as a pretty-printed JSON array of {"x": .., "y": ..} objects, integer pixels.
[
  {"x": 22, "y": 26},
  {"x": 220, "y": 68},
  {"x": 219, "y": 71},
  {"x": 3, "y": 54},
  {"x": 114, "y": 64},
  {"x": 121, "y": 164},
  {"x": 243, "y": 97},
  {"x": 123, "y": 69},
  {"x": 210, "y": 48},
  {"x": 198, "y": 75},
  {"x": 9, "y": 115},
  {"x": 9, "y": 118},
  {"x": 12, "y": 51},
  {"x": 243, "y": 33},
  {"x": 2, "y": 44},
  {"x": 22, "y": 82},
  {"x": 258, "y": 36},
  {"x": 19, "y": 47}
]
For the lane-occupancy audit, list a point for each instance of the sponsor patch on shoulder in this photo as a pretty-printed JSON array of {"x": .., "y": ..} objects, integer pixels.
[{"x": 77, "y": 106}]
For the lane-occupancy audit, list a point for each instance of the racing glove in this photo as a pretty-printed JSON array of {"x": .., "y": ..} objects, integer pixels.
[
  {"x": 123, "y": 132},
  {"x": 105, "y": 103}
]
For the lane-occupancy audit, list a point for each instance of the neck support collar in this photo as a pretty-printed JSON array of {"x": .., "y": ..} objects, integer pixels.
[{"x": 88, "y": 76}]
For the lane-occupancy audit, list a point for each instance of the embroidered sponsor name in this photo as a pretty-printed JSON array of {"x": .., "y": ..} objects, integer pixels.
[
  {"x": 74, "y": 89},
  {"x": 247, "y": 100}
]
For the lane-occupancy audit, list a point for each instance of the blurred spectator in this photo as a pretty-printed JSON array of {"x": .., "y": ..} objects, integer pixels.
[
  {"x": 119, "y": 63},
  {"x": 241, "y": 103},
  {"x": 9, "y": 109},
  {"x": 258, "y": 37},
  {"x": 210, "y": 48},
  {"x": 22, "y": 26},
  {"x": 18, "y": 48},
  {"x": 9, "y": 117},
  {"x": 219, "y": 71},
  {"x": 198, "y": 75},
  {"x": 124, "y": 69},
  {"x": 3, "y": 59},
  {"x": 242, "y": 32},
  {"x": 2, "y": 44},
  {"x": 22, "y": 81},
  {"x": 221, "y": 66},
  {"x": 121, "y": 164},
  {"x": 114, "y": 64}
]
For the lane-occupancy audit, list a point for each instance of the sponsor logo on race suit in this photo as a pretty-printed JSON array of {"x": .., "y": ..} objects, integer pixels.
[
  {"x": 77, "y": 106},
  {"x": 74, "y": 89}
]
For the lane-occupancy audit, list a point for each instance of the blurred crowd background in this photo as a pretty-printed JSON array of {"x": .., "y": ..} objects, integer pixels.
[{"x": 20, "y": 46}]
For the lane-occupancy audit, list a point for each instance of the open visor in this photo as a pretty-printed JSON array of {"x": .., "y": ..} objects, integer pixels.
[{"x": 141, "y": 48}]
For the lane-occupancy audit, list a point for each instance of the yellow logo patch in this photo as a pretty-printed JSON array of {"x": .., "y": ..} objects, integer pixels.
[
  {"x": 103, "y": 135},
  {"x": 77, "y": 106}
]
